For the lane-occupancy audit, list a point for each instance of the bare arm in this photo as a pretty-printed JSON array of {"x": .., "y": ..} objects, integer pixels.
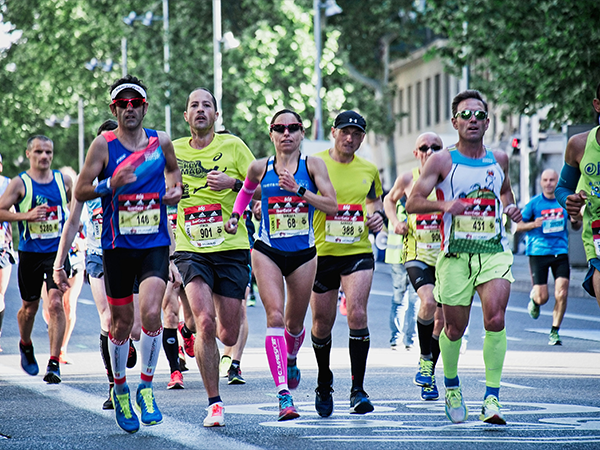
[
  {"x": 374, "y": 220},
  {"x": 434, "y": 170},
  {"x": 172, "y": 172},
  {"x": 392, "y": 198},
  {"x": 506, "y": 194},
  {"x": 327, "y": 201},
  {"x": 95, "y": 161},
  {"x": 66, "y": 240},
  {"x": 573, "y": 155},
  {"x": 15, "y": 191}
]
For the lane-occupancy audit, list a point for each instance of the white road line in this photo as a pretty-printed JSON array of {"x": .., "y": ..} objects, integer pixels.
[
  {"x": 511, "y": 385},
  {"x": 171, "y": 429},
  {"x": 548, "y": 313}
]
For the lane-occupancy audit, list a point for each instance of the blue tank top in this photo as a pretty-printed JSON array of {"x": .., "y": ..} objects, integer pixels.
[
  {"x": 133, "y": 215},
  {"x": 287, "y": 220},
  {"x": 42, "y": 236}
]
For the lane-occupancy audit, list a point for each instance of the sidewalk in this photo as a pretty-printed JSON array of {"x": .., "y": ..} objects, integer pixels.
[{"x": 520, "y": 271}]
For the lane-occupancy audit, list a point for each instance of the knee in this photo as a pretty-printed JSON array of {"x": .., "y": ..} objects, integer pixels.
[
  {"x": 206, "y": 327},
  {"x": 453, "y": 332},
  {"x": 494, "y": 323}
]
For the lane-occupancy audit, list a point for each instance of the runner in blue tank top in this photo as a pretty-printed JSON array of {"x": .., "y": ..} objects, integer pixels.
[
  {"x": 133, "y": 164},
  {"x": 285, "y": 245},
  {"x": 40, "y": 196}
]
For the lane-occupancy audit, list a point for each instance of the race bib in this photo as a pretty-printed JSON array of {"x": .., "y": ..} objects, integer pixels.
[
  {"x": 478, "y": 221},
  {"x": 288, "y": 216},
  {"x": 347, "y": 226},
  {"x": 554, "y": 220},
  {"x": 596, "y": 236},
  {"x": 428, "y": 231},
  {"x": 48, "y": 227},
  {"x": 204, "y": 225},
  {"x": 172, "y": 217},
  {"x": 139, "y": 213},
  {"x": 97, "y": 224}
]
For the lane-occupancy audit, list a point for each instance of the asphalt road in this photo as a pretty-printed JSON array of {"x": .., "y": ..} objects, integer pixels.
[{"x": 549, "y": 394}]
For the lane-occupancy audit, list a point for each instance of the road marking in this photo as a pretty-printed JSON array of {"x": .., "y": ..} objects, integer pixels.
[
  {"x": 547, "y": 313},
  {"x": 173, "y": 430},
  {"x": 588, "y": 335},
  {"x": 511, "y": 385}
]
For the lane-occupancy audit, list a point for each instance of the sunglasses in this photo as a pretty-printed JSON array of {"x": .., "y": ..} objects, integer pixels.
[
  {"x": 291, "y": 127},
  {"x": 434, "y": 148},
  {"x": 125, "y": 102},
  {"x": 467, "y": 114}
]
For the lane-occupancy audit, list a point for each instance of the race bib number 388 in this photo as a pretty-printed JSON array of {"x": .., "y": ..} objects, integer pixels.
[
  {"x": 139, "y": 213},
  {"x": 288, "y": 216},
  {"x": 347, "y": 226}
]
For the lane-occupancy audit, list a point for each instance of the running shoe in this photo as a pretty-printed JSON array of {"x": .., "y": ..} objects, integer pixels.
[
  {"x": 176, "y": 381},
  {"x": 215, "y": 417},
  {"x": 554, "y": 338},
  {"x": 324, "y": 399},
  {"x": 424, "y": 376},
  {"x": 235, "y": 376},
  {"x": 294, "y": 376},
  {"x": 224, "y": 366},
  {"x": 108, "y": 403},
  {"x": 534, "y": 309},
  {"x": 251, "y": 300},
  {"x": 188, "y": 343},
  {"x": 52, "y": 373},
  {"x": 456, "y": 410},
  {"x": 430, "y": 393},
  {"x": 124, "y": 414},
  {"x": 132, "y": 357},
  {"x": 182, "y": 365},
  {"x": 287, "y": 410},
  {"x": 359, "y": 402},
  {"x": 28, "y": 362},
  {"x": 146, "y": 403},
  {"x": 490, "y": 411},
  {"x": 63, "y": 358}
]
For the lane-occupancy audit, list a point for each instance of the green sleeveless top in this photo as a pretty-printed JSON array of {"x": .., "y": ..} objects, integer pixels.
[{"x": 590, "y": 183}]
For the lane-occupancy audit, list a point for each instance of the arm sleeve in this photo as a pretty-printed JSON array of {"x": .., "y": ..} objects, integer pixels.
[{"x": 567, "y": 183}]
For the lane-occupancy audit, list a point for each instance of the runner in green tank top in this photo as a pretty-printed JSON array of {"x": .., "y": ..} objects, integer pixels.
[
  {"x": 581, "y": 173},
  {"x": 421, "y": 247},
  {"x": 464, "y": 179}
]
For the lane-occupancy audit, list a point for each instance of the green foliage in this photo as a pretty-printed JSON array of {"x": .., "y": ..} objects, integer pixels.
[{"x": 526, "y": 55}]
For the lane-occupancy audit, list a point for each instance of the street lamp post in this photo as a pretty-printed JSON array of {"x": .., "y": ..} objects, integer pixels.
[
  {"x": 147, "y": 20},
  {"x": 331, "y": 9},
  {"x": 228, "y": 41},
  {"x": 66, "y": 122}
]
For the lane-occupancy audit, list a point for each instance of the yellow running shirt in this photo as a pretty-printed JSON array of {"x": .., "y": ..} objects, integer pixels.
[
  {"x": 345, "y": 233},
  {"x": 202, "y": 213}
]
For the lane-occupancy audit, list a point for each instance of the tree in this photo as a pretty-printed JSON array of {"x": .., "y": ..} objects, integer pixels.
[{"x": 525, "y": 55}]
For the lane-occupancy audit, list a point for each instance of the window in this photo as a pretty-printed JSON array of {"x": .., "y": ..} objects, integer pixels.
[
  {"x": 447, "y": 97},
  {"x": 428, "y": 102},
  {"x": 418, "y": 104},
  {"x": 436, "y": 98},
  {"x": 409, "y": 109},
  {"x": 400, "y": 110}
]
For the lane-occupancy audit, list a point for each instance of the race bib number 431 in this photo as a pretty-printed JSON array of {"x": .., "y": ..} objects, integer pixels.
[
  {"x": 478, "y": 221},
  {"x": 347, "y": 226},
  {"x": 139, "y": 213}
]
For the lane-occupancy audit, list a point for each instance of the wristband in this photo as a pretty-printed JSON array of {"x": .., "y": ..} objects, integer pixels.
[
  {"x": 103, "y": 187},
  {"x": 236, "y": 215},
  {"x": 58, "y": 269},
  {"x": 301, "y": 191}
]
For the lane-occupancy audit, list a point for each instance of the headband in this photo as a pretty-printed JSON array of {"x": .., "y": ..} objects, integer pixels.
[{"x": 124, "y": 86}]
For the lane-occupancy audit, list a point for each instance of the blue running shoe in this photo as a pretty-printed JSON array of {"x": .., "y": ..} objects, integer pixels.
[
  {"x": 293, "y": 376},
  {"x": 52, "y": 373},
  {"x": 429, "y": 393},
  {"x": 456, "y": 410},
  {"x": 324, "y": 399},
  {"x": 28, "y": 362},
  {"x": 124, "y": 415},
  {"x": 144, "y": 399},
  {"x": 360, "y": 403},
  {"x": 424, "y": 376},
  {"x": 287, "y": 410}
]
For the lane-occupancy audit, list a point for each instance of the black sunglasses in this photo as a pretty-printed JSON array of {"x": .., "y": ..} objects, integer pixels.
[
  {"x": 291, "y": 127},
  {"x": 467, "y": 114},
  {"x": 125, "y": 102},
  {"x": 434, "y": 148}
]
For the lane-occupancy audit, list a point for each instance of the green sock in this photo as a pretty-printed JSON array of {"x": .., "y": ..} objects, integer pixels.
[
  {"x": 450, "y": 351},
  {"x": 494, "y": 351}
]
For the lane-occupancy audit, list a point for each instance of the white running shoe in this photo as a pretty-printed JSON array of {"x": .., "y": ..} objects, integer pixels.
[{"x": 215, "y": 416}]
